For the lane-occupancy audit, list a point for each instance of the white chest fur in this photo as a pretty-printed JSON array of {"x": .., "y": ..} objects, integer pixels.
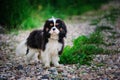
[
  {"x": 53, "y": 46},
  {"x": 51, "y": 52}
]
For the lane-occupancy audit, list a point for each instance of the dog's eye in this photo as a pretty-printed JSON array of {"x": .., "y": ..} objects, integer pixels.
[{"x": 51, "y": 24}]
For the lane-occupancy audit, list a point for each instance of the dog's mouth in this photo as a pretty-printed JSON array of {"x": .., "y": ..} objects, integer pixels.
[{"x": 54, "y": 31}]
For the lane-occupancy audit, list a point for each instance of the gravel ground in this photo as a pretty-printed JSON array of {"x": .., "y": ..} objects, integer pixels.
[
  {"x": 103, "y": 66},
  {"x": 13, "y": 68}
]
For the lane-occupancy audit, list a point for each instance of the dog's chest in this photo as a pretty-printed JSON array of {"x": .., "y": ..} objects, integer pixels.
[{"x": 53, "y": 46}]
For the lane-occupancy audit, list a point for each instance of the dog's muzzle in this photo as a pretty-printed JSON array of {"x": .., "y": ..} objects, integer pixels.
[{"x": 54, "y": 31}]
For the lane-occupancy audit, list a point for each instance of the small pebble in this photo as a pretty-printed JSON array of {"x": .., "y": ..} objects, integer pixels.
[{"x": 19, "y": 67}]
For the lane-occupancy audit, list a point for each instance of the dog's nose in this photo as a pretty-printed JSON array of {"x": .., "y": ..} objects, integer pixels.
[{"x": 53, "y": 29}]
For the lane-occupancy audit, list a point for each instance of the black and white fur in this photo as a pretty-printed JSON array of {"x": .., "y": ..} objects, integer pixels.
[{"x": 47, "y": 43}]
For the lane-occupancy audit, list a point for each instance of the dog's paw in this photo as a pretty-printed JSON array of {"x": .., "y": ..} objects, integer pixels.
[
  {"x": 26, "y": 62},
  {"x": 59, "y": 66},
  {"x": 46, "y": 66}
]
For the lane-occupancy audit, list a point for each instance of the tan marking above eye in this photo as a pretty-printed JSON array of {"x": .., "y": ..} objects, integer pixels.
[
  {"x": 51, "y": 24},
  {"x": 57, "y": 24}
]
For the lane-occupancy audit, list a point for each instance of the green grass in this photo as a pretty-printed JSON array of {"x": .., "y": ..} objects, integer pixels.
[
  {"x": 82, "y": 50},
  {"x": 34, "y": 20}
]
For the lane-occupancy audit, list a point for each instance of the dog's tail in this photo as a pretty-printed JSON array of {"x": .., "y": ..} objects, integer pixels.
[{"x": 21, "y": 49}]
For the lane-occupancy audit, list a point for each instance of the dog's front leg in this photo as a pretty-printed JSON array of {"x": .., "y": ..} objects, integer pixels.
[
  {"x": 45, "y": 59},
  {"x": 55, "y": 60}
]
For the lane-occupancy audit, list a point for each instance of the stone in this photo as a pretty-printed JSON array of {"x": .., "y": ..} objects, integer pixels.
[
  {"x": 60, "y": 70},
  {"x": 75, "y": 79},
  {"x": 19, "y": 67},
  {"x": 64, "y": 74},
  {"x": 3, "y": 78},
  {"x": 52, "y": 70},
  {"x": 105, "y": 79},
  {"x": 45, "y": 77}
]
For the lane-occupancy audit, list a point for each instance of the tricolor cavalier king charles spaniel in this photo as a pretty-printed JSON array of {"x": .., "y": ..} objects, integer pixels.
[{"x": 48, "y": 43}]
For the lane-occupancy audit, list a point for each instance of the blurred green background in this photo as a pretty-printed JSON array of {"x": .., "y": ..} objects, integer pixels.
[{"x": 26, "y": 14}]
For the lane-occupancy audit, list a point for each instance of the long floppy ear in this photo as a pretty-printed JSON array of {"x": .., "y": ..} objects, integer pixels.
[
  {"x": 64, "y": 27},
  {"x": 46, "y": 25},
  {"x": 46, "y": 29}
]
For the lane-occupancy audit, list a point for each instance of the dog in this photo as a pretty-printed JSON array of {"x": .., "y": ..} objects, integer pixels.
[{"x": 47, "y": 44}]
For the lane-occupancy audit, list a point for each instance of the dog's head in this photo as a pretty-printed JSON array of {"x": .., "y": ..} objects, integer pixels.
[{"x": 55, "y": 28}]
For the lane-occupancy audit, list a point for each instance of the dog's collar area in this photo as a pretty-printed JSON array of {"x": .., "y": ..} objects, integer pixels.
[{"x": 53, "y": 38}]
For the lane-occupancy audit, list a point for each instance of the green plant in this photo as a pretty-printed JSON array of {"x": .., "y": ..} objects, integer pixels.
[
  {"x": 13, "y": 12},
  {"x": 32, "y": 21},
  {"x": 22, "y": 14},
  {"x": 82, "y": 50},
  {"x": 112, "y": 15},
  {"x": 94, "y": 22},
  {"x": 84, "y": 47}
]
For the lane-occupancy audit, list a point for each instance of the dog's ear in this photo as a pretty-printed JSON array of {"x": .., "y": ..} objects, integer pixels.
[
  {"x": 46, "y": 29},
  {"x": 46, "y": 25},
  {"x": 63, "y": 32},
  {"x": 64, "y": 27}
]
